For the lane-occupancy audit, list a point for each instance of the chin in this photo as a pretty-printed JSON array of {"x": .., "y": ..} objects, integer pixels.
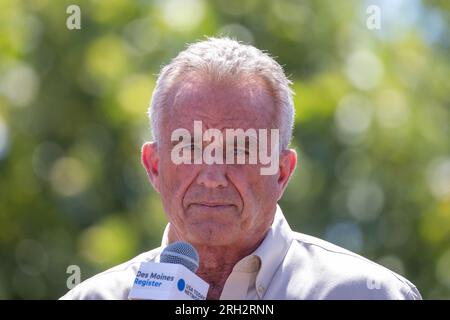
[{"x": 216, "y": 234}]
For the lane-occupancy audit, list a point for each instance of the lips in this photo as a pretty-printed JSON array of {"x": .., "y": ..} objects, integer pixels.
[
  {"x": 213, "y": 204},
  {"x": 207, "y": 210}
]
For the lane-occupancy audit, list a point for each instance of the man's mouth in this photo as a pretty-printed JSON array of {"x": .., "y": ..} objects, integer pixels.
[
  {"x": 213, "y": 204},
  {"x": 214, "y": 212}
]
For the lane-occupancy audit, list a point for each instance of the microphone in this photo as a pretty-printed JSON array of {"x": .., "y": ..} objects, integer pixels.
[
  {"x": 173, "y": 278},
  {"x": 183, "y": 253}
]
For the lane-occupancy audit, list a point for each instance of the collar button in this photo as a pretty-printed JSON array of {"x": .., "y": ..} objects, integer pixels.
[{"x": 261, "y": 290}]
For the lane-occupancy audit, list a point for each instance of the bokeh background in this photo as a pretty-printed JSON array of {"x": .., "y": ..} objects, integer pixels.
[{"x": 372, "y": 129}]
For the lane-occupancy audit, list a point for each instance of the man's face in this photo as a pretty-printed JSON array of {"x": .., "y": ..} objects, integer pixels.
[{"x": 216, "y": 204}]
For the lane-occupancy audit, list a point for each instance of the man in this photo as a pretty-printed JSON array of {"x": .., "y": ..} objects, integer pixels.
[{"x": 228, "y": 209}]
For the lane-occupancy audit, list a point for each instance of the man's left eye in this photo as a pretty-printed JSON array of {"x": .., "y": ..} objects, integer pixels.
[
  {"x": 190, "y": 147},
  {"x": 241, "y": 151}
]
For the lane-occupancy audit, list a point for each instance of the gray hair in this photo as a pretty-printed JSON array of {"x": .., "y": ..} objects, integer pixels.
[{"x": 221, "y": 57}]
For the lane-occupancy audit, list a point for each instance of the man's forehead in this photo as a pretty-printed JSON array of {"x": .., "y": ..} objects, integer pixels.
[
  {"x": 228, "y": 136},
  {"x": 220, "y": 106},
  {"x": 221, "y": 122}
]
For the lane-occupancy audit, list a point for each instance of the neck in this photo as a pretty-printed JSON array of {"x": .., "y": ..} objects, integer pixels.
[{"x": 217, "y": 262}]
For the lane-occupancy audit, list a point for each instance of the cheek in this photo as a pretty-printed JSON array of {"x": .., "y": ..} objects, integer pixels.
[
  {"x": 259, "y": 198},
  {"x": 255, "y": 189},
  {"x": 175, "y": 179}
]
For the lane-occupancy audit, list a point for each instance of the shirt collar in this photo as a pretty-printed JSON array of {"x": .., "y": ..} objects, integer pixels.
[
  {"x": 270, "y": 253},
  {"x": 165, "y": 237},
  {"x": 272, "y": 250}
]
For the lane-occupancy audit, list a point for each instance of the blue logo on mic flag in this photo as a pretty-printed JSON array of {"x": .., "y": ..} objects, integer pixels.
[{"x": 181, "y": 284}]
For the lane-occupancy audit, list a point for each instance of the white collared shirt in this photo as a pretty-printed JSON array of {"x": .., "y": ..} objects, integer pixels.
[{"x": 286, "y": 265}]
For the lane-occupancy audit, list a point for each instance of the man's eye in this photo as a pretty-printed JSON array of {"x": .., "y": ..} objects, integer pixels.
[
  {"x": 241, "y": 151},
  {"x": 190, "y": 151},
  {"x": 190, "y": 147}
]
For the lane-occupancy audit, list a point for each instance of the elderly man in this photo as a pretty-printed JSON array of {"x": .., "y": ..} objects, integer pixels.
[{"x": 226, "y": 208}]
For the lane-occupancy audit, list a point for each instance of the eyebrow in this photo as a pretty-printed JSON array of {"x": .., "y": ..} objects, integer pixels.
[
  {"x": 175, "y": 142},
  {"x": 249, "y": 138}
]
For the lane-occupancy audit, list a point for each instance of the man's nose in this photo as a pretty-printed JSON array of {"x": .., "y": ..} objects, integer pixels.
[{"x": 213, "y": 176}]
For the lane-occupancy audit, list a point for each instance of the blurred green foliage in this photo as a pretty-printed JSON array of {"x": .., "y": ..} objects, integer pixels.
[{"x": 372, "y": 129}]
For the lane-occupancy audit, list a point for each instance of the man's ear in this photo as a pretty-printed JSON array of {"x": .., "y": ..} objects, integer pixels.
[
  {"x": 288, "y": 162},
  {"x": 150, "y": 160}
]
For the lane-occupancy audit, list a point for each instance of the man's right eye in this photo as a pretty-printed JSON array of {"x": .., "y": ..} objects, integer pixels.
[
  {"x": 189, "y": 147},
  {"x": 189, "y": 151},
  {"x": 241, "y": 152}
]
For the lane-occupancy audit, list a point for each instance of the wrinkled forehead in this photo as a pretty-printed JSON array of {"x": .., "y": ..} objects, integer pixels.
[{"x": 222, "y": 104}]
